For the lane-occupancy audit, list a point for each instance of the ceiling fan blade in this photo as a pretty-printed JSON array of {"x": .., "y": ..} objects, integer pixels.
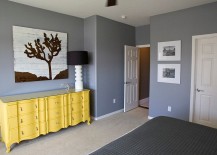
[{"x": 111, "y": 3}]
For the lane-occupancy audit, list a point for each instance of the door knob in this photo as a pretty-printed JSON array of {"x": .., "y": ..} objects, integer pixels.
[
  {"x": 199, "y": 90},
  {"x": 127, "y": 82}
]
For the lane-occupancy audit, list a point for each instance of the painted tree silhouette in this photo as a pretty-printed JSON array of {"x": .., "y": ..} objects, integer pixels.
[{"x": 53, "y": 45}]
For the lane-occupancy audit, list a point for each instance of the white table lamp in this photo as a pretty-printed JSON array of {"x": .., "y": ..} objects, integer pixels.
[{"x": 77, "y": 58}]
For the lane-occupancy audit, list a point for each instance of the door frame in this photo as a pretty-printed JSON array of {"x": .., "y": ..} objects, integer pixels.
[
  {"x": 143, "y": 46},
  {"x": 193, "y": 71}
]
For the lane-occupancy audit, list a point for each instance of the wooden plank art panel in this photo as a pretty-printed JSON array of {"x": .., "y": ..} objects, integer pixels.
[{"x": 39, "y": 54}]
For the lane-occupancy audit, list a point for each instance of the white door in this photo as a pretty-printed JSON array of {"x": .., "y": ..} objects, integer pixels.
[
  {"x": 131, "y": 74},
  {"x": 205, "y": 108}
]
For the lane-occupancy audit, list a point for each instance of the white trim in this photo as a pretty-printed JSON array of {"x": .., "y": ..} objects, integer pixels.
[
  {"x": 149, "y": 117},
  {"x": 107, "y": 115},
  {"x": 145, "y": 100},
  {"x": 193, "y": 69},
  {"x": 146, "y": 45}
]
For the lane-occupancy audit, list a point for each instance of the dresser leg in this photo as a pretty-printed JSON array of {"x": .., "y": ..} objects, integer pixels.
[
  {"x": 8, "y": 148},
  {"x": 88, "y": 121}
]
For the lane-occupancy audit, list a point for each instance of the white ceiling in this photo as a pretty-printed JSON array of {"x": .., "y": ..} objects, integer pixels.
[{"x": 138, "y": 12}]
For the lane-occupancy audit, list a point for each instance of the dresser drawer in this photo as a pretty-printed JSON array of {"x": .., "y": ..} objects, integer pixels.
[
  {"x": 29, "y": 131},
  {"x": 85, "y": 105},
  {"x": 86, "y": 115},
  {"x": 28, "y": 119},
  {"x": 76, "y": 107},
  {"x": 27, "y": 106},
  {"x": 12, "y": 109},
  {"x": 76, "y": 97},
  {"x": 54, "y": 113},
  {"x": 54, "y": 102},
  {"x": 13, "y": 123},
  {"x": 76, "y": 118},
  {"x": 55, "y": 124},
  {"x": 86, "y": 96},
  {"x": 13, "y": 135}
]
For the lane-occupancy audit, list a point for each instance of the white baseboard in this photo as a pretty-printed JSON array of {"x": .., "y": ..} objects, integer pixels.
[
  {"x": 149, "y": 117},
  {"x": 144, "y": 102},
  {"x": 107, "y": 115}
]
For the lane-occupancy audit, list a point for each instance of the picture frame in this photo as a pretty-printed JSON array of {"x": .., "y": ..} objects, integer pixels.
[
  {"x": 39, "y": 54},
  {"x": 169, "y": 51},
  {"x": 169, "y": 73}
]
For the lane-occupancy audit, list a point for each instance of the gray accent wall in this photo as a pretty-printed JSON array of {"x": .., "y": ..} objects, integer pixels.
[
  {"x": 90, "y": 46},
  {"x": 179, "y": 25},
  {"x": 111, "y": 38},
  {"x": 143, "y": 35},
  {"x": 105, "y": 40},
  {"x": 22, "y": 15}
]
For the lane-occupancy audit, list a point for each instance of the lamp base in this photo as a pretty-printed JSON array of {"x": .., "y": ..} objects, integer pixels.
[
  {"x": 78, "y": 85},
  {"x": 78, "y": 78}
]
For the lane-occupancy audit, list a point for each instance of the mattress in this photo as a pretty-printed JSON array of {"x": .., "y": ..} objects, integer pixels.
[{"x": 164, "y": 136}]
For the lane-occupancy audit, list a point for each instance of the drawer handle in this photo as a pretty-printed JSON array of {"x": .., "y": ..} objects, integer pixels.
[
  {"x": 37, "y": 128},
  {"x": 72, "y": 109},
  {"x": 36, "y": 117},
  {"x": 21, "y": 121},
  {"x": 22, "y": 133},
  {"x": 36, "y": 106},
  {"x": 21, "y": 109},
  {"x": 82, "y": 97}
]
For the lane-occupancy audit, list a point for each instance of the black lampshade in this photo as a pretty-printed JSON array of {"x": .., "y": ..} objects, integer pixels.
[
  {"x": 111, "y": 3},
  {"x": 77, "y": 58}
]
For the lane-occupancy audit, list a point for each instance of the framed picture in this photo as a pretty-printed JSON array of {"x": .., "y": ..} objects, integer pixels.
[
  {"x": 169, "y": 73},
  {"x": 169, "y": 51},
  {"x": 39, "y": 54}
]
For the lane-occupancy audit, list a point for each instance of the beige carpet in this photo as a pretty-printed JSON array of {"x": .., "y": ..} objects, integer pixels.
[{"x": 81, "y": 139}]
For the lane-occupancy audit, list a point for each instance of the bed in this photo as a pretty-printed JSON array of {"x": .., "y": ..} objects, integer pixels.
[{"x": 164, "y": 136}]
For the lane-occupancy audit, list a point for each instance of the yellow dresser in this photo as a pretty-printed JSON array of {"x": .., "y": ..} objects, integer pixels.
[{"x": 28, "y": 116}]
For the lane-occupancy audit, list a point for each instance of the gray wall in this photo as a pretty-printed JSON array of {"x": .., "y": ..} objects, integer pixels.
[
  {"x": 111, "y": 38},
  {"x": 143, "y": 35},
  {"x": 179, "y": 25},
  {"x": 21, "y": 15},
  {"x": 90, "y": 46},
  {"x": 104, "y": 39}
]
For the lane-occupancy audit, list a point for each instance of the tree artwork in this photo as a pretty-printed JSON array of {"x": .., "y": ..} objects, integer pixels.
[
  {"x": 44, "y": 51},
  {"x": 39, "y": 55}
]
